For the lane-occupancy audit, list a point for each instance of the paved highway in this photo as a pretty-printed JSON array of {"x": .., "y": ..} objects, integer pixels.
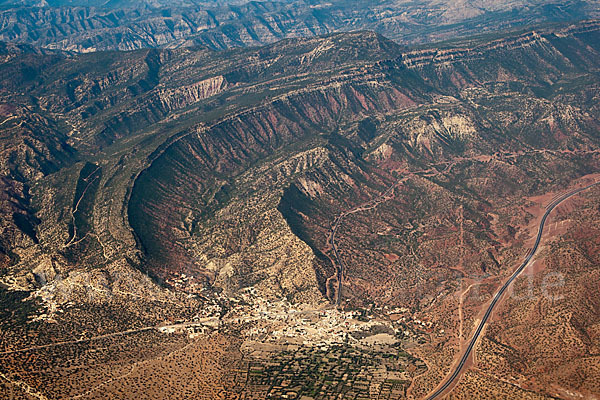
[{"x": 503, "y": 289}]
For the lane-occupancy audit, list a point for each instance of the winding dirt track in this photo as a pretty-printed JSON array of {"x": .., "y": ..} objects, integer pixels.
[
  {"x": 457, "y": 371},
  {"x": 106, "y": 336},
  {"x": 369, "y": 205}
]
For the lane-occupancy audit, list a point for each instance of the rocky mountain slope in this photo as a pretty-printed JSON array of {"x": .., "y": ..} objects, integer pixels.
[
  {"x": 159, "y": 191},
  {"x": 90, "y": 26}
]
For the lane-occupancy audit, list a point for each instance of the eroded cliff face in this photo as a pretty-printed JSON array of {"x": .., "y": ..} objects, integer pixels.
[
  {"x": 202, "y": 168},
  {"x": 376, "y": 109},
  {"x": 197, "y": 175},
  {"x": 190, "y": 177},
  {"x": 176, "y": 98}
]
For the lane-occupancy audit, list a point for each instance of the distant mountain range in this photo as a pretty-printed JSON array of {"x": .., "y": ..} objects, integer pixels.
[
  {"x": 84, "y": 26},
  {"x": 114, "y": 4}
]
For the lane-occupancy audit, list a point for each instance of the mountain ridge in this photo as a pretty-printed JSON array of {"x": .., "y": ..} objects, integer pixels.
[
  {"x": 222, "y": 26},
  {"x": 155, "y": 195}
]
